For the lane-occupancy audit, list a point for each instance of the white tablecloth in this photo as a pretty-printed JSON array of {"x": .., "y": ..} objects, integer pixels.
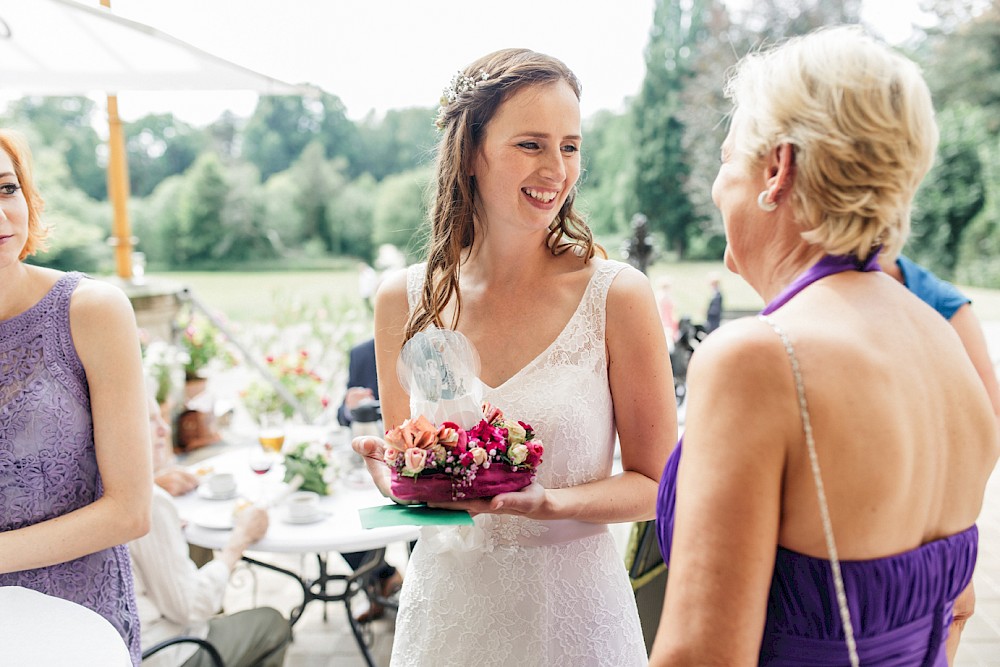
[
  {"x": 339, "y": 530},
  {"x": 44, "y": 631}
]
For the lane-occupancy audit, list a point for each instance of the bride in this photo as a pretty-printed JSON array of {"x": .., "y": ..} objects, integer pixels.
[{"x": 570, "y": 343}]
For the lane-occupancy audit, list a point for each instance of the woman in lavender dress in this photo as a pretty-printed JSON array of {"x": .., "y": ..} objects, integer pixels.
[
  {"x": 75, "y": 476},
  {"x": 821, "y": 510}
]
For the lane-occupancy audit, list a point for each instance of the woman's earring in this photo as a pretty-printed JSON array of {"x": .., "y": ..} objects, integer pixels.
[{"x": 764, "y": 204}]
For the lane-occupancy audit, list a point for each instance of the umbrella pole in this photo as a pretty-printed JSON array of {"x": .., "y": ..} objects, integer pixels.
[
  {"x": 118, "y": 187},
  {"x": 118, "y": 191}
]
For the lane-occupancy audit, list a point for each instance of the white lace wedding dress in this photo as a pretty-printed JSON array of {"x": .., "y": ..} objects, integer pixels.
[{"x": 519, "y": 592}]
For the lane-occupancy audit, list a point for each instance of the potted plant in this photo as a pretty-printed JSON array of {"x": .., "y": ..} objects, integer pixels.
[{"x": 294, "y": 373}]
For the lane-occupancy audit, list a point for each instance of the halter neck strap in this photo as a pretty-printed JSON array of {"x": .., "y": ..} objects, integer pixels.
[{"x": 827, "y": 266}]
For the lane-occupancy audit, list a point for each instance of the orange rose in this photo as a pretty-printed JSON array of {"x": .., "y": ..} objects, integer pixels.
[
  {"x": 418, "y": 433},
  {"x": 491, "y": 413}
]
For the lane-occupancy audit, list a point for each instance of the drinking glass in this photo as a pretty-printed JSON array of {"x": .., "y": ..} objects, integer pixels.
[{"x": 271, "y": 431}]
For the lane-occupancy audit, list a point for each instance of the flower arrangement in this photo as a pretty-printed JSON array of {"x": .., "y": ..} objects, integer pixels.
[
  {"x": 314, "y": 462},
  {"x": 460, "y": 83},
  {"x": 295, "y": 375},
  {"x": 163, "y": 363},
  {"x": 203, "y": 342},
  {"x": 447, "y": 462}
]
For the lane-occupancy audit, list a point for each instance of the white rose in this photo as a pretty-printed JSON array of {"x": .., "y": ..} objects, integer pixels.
[
  {"x": 518, "y": 453},
  {"x": 515, "y": 433},
  {"x": 479, "y": 455}
]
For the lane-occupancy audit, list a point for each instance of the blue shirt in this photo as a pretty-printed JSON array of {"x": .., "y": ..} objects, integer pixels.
[{"x": 939, "y": 294}]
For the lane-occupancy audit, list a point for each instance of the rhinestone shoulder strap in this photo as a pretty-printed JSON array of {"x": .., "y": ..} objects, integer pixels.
[{"x": 824, "y": 510}]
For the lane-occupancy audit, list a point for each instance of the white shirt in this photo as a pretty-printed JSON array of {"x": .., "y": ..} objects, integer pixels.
[{"x": 174, "y": 596}]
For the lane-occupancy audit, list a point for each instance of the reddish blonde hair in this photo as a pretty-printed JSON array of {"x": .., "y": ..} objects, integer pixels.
[{"x": 16, "y": 147}]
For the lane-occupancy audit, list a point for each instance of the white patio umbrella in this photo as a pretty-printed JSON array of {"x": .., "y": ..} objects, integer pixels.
[{"x": 62, "y": 47}]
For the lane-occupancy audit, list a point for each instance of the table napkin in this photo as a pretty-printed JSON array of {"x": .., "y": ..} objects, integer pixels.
[{"x": 381, "y": 516}]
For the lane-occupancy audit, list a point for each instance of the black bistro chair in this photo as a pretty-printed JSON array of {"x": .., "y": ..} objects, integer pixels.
[{"x": 203, "y": 644}]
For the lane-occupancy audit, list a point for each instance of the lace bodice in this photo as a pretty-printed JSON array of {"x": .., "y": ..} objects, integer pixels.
[
  {"x": 515, "y": 591},
  {"x": 48, "y": 466}
]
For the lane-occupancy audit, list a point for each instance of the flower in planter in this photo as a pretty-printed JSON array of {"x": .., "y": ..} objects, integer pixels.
[
  {"x": 164, "y": 365},
  {"x": 294, "y": 373},
  {"x": 203, "y": 342}
]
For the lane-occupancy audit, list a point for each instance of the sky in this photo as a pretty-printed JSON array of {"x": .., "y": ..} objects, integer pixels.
[
  {"x": 384, "y": 54},
  {"x": 377, "y": 55}
]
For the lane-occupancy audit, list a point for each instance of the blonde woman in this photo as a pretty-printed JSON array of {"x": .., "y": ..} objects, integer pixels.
[{"x": 822, "y": 507}]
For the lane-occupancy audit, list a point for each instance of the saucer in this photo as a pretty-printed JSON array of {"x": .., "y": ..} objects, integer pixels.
[
  {"x": 312, "y": 518},
  {"x": 206, "y": 493}
]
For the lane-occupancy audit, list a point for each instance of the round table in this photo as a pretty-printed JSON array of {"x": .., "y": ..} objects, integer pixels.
[{"x": 45, "y": 631}]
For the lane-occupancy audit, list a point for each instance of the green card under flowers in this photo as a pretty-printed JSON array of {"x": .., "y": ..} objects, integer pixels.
[{"x": 382, "y": 516}]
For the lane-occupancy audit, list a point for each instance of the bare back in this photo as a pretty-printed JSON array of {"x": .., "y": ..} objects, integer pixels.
[{"x": 904, "y": 432}]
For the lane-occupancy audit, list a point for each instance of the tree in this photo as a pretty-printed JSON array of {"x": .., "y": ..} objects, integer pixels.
[
  {"x": 280, "y": 127},
  {"x": 316, "y": 181},
  {"x": 661, "y": 168},
  {"x": 963, "y": 56},
  {"x": 65, "y": 124},
  {"x": 605, "y": 187},
  {"x": 953, "y": 192},
  {"x": 401, "y": 140},
  {"x": 197, "y": 233},
  {"x": 401, "y": 209},
  {"x": 158, "y": 146},
  {"x": 350, "y": 217}
]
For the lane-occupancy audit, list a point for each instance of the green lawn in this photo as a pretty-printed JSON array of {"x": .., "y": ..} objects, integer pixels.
[{"x": 247, "y": 297}]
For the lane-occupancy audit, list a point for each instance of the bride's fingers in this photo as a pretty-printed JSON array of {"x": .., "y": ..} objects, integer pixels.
[{"x": 368, "y": 446}]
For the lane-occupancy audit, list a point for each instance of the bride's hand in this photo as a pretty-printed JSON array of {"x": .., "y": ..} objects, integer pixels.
[{"x": 525, "y": 502}]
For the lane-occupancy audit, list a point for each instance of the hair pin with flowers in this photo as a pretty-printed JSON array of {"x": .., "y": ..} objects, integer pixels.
[{"x": 460, "y": 83}]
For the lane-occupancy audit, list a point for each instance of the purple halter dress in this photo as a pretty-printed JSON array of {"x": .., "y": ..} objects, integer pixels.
[
  {"x": 900, "y": 605},
  {"x": 48, "y": 466}
]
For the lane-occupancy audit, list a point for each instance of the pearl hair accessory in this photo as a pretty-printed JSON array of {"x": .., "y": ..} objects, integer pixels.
[{"x": 764, "y": 204}]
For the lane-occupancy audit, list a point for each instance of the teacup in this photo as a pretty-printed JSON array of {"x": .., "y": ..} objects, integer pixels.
[
  {"x": 303, "y": 505},
  {"x": 222, "y": 484}
]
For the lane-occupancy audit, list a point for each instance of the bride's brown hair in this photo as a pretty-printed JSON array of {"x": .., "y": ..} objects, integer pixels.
[{"x": 468, "y": 106}]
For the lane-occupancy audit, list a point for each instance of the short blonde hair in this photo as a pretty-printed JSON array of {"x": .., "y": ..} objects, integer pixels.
[
  {"x": 16, "y": 147},
  {"x": 861, "y": 122}
]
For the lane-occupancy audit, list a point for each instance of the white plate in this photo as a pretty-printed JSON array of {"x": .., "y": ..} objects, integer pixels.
[
  {"x": 319, "y": 516},
  {"x": 217, "y": 518},
  {"x": 206, "y": 493}
]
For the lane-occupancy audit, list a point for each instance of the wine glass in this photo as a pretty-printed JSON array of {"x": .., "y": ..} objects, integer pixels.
[{"x": 261, "y": 460}]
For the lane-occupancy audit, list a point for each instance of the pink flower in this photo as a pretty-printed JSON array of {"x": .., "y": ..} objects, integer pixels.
[
  {"x": 390, "y": 456},
  {"x": 535, "y": 450},
  {"x": 415, "y": 460}
]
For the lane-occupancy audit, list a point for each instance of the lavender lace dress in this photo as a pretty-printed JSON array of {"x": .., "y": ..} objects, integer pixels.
[{"x": 48, "y": 466}]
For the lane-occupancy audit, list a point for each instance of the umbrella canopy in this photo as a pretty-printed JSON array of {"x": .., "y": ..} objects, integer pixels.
[{"x": 61, "y": 47}]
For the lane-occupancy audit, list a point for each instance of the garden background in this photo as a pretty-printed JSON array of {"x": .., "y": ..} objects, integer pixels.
[{"x": 266, "y": 217}]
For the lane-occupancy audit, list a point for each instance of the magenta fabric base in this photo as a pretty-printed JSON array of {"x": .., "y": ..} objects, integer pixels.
[{"x": 438, "y": 487}]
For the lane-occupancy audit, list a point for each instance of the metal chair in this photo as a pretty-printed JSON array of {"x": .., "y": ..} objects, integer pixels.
[
  {"x": 203, "y": 644},
  {"x": 648, "y": 574}
]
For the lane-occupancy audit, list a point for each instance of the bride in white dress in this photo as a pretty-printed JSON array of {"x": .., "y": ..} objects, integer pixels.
[{"x": 570, "y": 343}]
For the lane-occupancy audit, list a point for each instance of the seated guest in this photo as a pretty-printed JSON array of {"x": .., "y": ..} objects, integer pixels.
[
  {"x": 362, "y": 386},
  {"x": 822, "y": 507},
  {"x": 175, "y": 597}
]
